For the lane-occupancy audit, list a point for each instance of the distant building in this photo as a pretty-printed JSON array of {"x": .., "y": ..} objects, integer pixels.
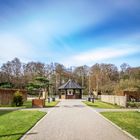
[{"x": 70, "y": 90}]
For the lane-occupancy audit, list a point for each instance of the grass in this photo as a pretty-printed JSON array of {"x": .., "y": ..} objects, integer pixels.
[
  {"x": 51, "y": 104},
  {"x": 129, "y": 121},
  {"x": 99, "y": 104},
  {"x": 28, "y": 104},
  {"x": 133, "y": 104},
  {"x": 13, "y": 124},
  {"x": 5, "y": 106}
]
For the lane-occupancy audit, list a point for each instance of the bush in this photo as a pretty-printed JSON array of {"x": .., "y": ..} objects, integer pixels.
[
  {"x": 133, "y": 104},
  {"x": 18, "y": 99}
]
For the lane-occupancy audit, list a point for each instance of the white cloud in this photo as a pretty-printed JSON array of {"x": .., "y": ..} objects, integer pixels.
[
  {"x": 99, "y": 55},
  {"x": 58, "y": 19},
  {"x": 12, "y": 46}
]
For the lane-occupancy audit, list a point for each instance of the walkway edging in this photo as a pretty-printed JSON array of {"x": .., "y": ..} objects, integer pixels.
[
  {"x": 125, "y": 132},
  {"x": 28, "y": 132}
]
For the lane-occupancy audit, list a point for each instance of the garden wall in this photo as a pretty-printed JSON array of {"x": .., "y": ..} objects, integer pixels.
[
  {"x": 6, "y": 95},
  {"x": 130, "y": 95},
  {"x": 114, "y": 99}
]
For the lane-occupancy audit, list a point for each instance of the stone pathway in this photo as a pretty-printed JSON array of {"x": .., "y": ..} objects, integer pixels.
[
  {"x": 72, "y": 120},
  {"x": 14, "y": 108},
  {"x": 47, "y": 110},
  {"x": 115, "y": 110}
]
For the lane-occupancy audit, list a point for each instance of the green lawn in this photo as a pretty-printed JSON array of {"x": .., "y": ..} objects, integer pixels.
[
  {"x": 13, "y": 124},
  {"x": 129, "y": 121},
  {"x": 99, "y": 104},
  {"x": 28, "y": 104},
  {"x": 51, "y": 104}
]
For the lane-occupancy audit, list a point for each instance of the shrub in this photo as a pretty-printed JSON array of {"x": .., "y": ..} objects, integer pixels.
[
  {"x": 18, "y": 99},
  {"x": 133, "y": 104}
]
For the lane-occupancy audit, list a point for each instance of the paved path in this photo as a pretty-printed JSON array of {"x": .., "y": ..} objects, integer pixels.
[
  {"x": 21, "y": 108},
  {"x": 72, "y": 120},
  {"x": 115, "y": 110}
]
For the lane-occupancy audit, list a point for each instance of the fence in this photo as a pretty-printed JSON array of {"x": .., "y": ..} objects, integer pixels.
[
  {"x": 6, "y": 95},
  {"x": 114, "y": 99}
]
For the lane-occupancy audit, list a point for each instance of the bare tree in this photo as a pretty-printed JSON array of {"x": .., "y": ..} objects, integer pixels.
[{"x": 12, "y": 71}]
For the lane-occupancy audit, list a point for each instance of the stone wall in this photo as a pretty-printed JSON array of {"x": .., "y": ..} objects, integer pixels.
[
  {"x": 114, "y": 99},
  {"x": 6, "y": 96}
]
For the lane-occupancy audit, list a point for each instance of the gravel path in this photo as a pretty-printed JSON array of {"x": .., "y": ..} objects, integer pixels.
[
  {"x": 72, "y": 120},
  {"x": 115, "y": 110},
  {"x": 21, "y": 108}
]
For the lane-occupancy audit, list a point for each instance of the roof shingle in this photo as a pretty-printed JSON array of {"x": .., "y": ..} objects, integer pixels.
[{"x": 71, "y": 84}]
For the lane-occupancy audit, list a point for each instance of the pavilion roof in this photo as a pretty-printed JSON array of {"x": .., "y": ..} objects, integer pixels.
[{"x": 70, "y": 84}]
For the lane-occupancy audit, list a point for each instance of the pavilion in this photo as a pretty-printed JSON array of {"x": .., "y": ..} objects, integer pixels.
[{"x": 70, "y": 90}]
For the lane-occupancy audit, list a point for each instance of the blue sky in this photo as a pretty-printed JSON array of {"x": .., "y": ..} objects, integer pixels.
[{"x": 71, "y": 32}]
